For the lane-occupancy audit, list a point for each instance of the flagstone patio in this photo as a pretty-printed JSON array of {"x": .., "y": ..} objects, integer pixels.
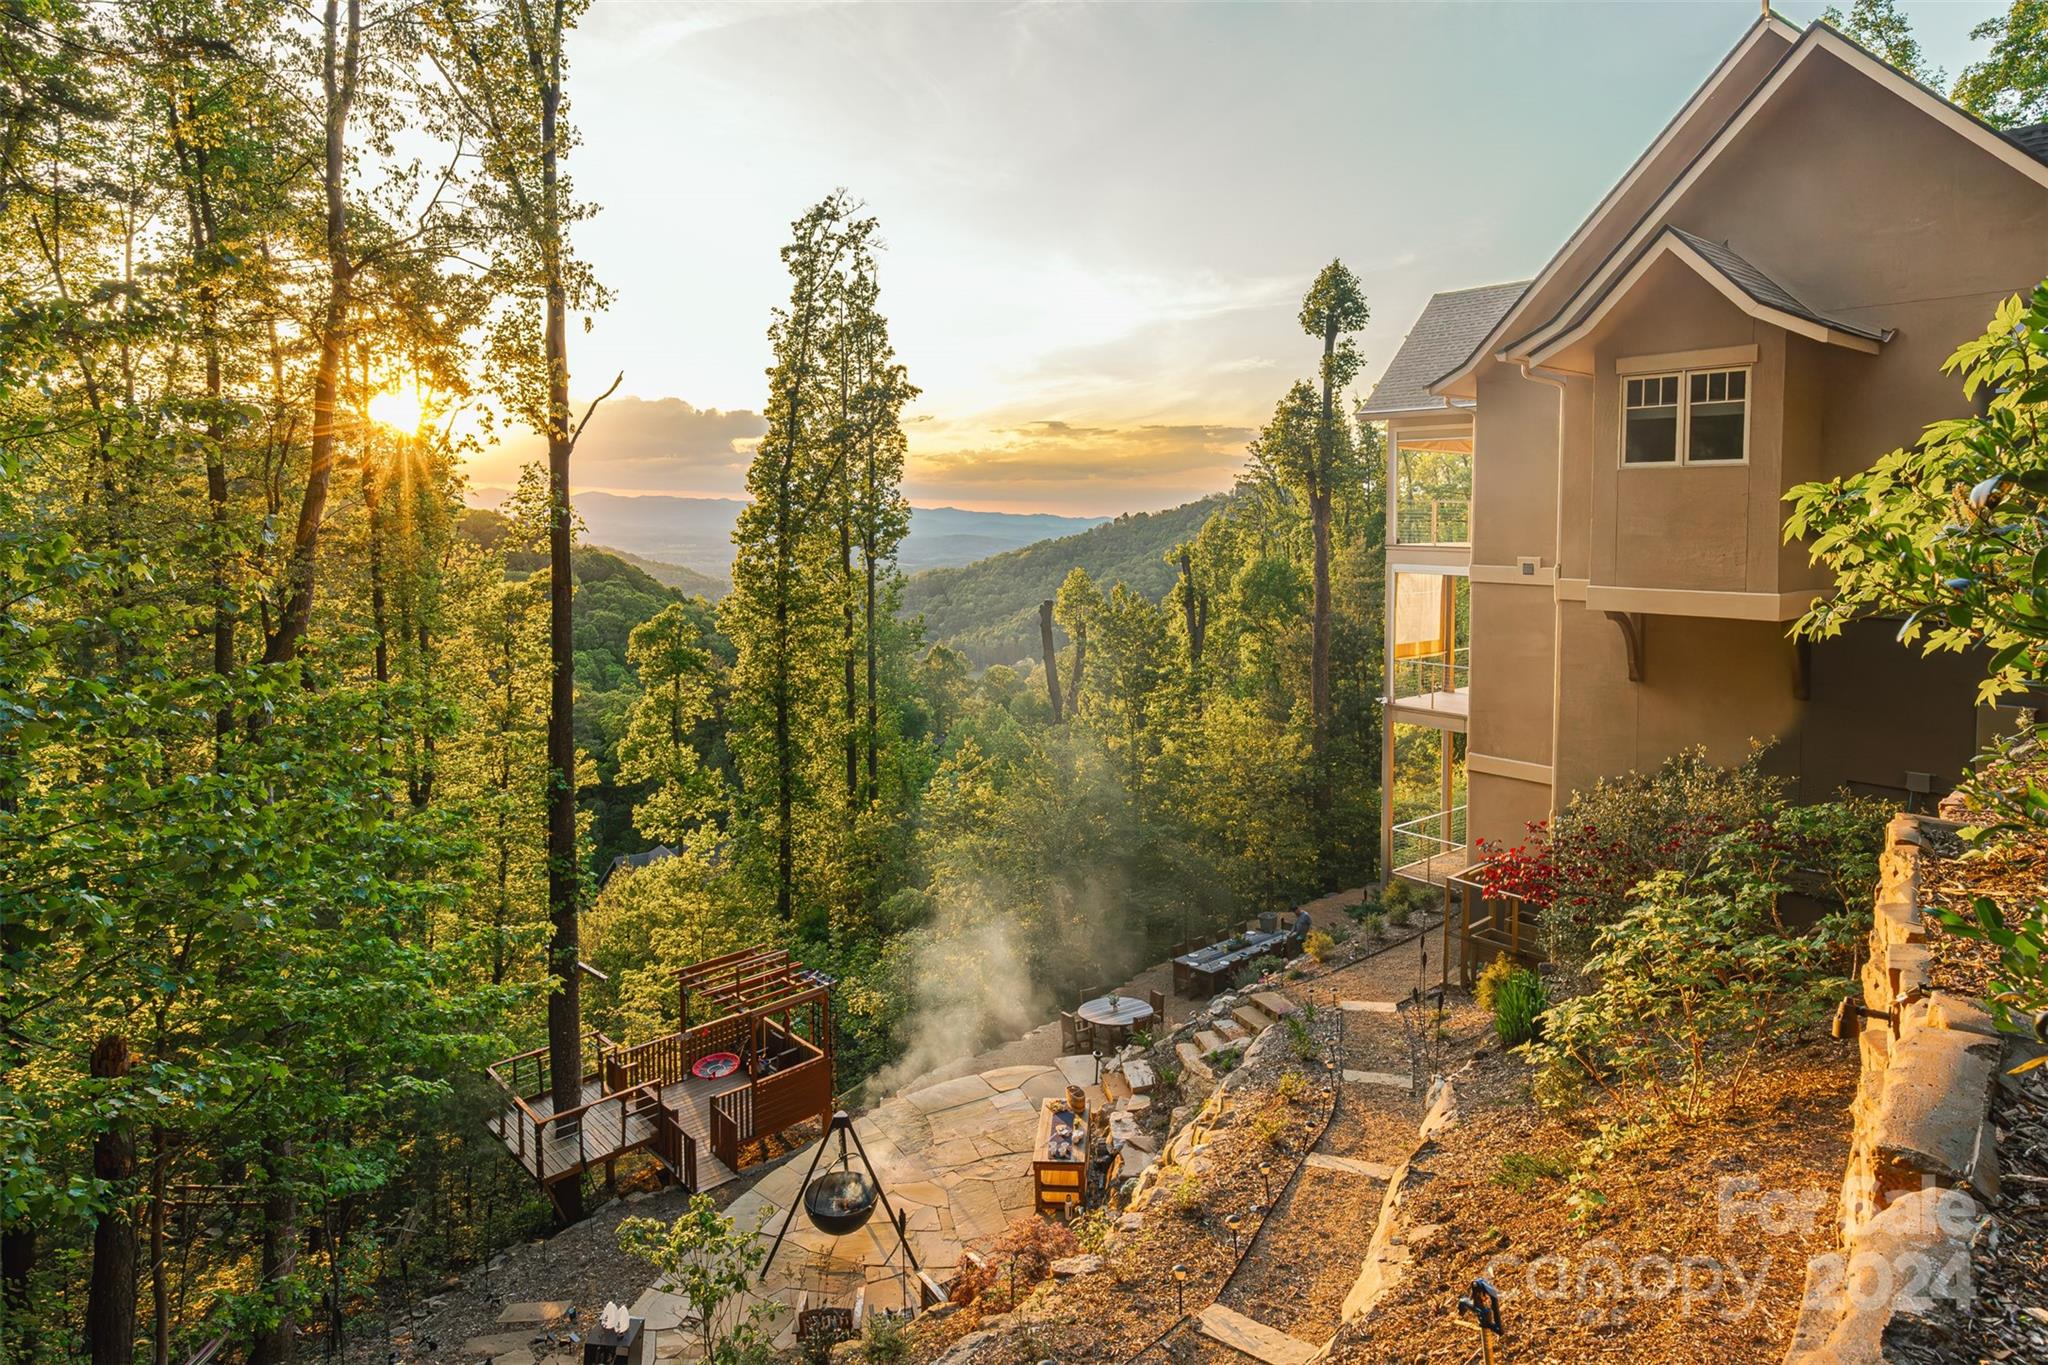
[{"x": 954, "y": 1158}]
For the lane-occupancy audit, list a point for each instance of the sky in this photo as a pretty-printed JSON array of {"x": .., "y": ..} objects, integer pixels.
[{"x": 1098, "y": 219}]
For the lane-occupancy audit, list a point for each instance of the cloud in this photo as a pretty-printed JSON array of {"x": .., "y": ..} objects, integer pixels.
[{"x": 644, "y": 445}]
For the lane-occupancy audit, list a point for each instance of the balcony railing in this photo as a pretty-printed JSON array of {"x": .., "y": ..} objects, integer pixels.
[
  {"x": 1433, "y": 521},
  {"x": 1430, "y": 849},
  {"x": 1427, "y": 675}
]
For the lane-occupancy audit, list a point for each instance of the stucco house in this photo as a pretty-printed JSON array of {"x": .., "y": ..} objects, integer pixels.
[{"x": 1586, "y": 568}]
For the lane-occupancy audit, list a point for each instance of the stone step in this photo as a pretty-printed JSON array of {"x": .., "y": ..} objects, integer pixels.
[
  {"x": 1372, "y": 1170},
  {"x": 1252, "y": 1017},
  {"x": 1210, "y": 1042},
  {"x": 1232, "y": 1030},
  {"x": 1273, "y": 1003},
  {"x": 1191, "y": 1061},
  {"x": 1254, "y": 1338},
  {"x": 1369, "y": 1006},
  {"x": 1392, "y": 1080}
]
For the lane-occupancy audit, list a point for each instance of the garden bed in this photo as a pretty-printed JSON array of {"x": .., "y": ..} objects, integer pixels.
[
  {"x": 1673, "y": 1264},
  {"x": 2012, "y": 872}
]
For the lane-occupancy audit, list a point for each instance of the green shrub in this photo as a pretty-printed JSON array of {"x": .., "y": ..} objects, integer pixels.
[
  {"x": 1687, "y": 984},
  {"x": 1518, "y": 999},
  {"x": 1291, "y": 1086},
  {"x": 1373, "y": 921},
  {"x": 885, "y": 1340},
  {"x": 1366, "y": 908},
  {"x": 1299, "y": 1039},
  {"x": 1490, "y": 977},
  {"x": 1318, "y": 945},
  {"x": 1521, "y": 1171},
  {"x": 1266, "y": 964}
]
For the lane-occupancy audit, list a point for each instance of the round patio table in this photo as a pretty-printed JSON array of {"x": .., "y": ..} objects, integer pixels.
[
  {"x": 1114, "y": 1015},
  {"x": 715, "y": 1065}
]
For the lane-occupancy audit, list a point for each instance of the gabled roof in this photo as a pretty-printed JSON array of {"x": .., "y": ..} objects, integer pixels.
[
  {"x": 1770, "y": 26},
  {"x": 2032, "y": 139},
  {"x": 2025, "y": 150},
  {"x": 1449, "y": 327},
  {"x": 1741, "y": 283},
  {"x": 1817, "y": 38}
]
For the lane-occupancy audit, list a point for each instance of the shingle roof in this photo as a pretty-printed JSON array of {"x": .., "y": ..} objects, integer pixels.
[
  {"x": 1760, "y": 286},
  {"x": 2032, "y": 139},
  {"x": 1451, "y": 325}
]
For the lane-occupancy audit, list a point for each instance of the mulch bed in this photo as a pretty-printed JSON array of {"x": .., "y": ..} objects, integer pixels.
[
  {"x": 2011, "y": 872},
  {"x": 2008, "y": 1317},
  {"x": 1614, "y": 1288}
]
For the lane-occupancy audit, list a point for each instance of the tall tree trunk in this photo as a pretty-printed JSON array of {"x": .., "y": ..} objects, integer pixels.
[
  {"x": 159, "y": 1253},
  {"x": 1080, "y": 665},
  {"x": 848, "y": 650},
  {"x": 110, "y": 1296},
  {"x": 1052, "y": 661},
  {"x": 278, "y": 1257},
  {"x": 874, "y": 706},
  {"x": 340, "y": 59},
  {"x": 565, "y": 1006},
  {"x": 1319, "y": 635}
]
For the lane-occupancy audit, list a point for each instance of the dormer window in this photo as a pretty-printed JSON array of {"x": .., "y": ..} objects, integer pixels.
[
  {"x": 1649, "y": 429},
  {"x": 1716, "y": 416},
  {"x": 1686, "y": 417}
]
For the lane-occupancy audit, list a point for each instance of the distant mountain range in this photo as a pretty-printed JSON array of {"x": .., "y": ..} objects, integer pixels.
[
  {"x": 989, "y": 609},
  {"x": 696, "y": 533}
]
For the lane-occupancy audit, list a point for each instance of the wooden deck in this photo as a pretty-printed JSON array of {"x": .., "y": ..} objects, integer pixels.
[{"x": 610, "y": 1131}]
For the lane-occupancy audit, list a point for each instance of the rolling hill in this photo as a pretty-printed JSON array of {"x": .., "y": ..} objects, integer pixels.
[
  {"x": 988, "y": 610},
  {"x": 696, "y": 533}
]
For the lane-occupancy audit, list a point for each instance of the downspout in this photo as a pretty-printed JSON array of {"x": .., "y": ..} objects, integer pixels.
[{"x": 1558, "y": 382}]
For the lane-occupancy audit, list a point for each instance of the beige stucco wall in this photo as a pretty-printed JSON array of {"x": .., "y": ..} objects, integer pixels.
[{"x": 1867, "y": 209}]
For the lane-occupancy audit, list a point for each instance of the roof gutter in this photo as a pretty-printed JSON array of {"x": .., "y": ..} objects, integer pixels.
[{"x": 1561, "y": 383}]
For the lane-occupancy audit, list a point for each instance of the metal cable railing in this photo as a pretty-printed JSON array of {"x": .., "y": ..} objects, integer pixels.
[{"x": 1432, "y": 521}]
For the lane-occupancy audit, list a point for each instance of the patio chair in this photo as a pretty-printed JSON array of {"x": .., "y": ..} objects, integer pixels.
[
  {"x": 1077, "y": 1036},
  {"x": 1157, "y": 1000}
]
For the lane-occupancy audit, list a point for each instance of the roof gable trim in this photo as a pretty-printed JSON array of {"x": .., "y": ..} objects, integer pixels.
[
  {"x": 1767, "y": 24},
  {"x": 1673, "y": 243},
  {"x": 1818, "y": 38}
]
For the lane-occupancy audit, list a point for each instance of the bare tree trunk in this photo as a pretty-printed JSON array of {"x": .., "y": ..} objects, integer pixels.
[
  {"x": 110, "y": 1296},
  {"x": 1080, "y": 665},
  {"x": 1052, "y": 662},
  {"x": 565, "y": 1005},
  {"x": 340, "y": 59},
  {"x": 1319, "y": 634},
  {"x": 278, "y": 1258},
  {"x": 874, "y": 706}
]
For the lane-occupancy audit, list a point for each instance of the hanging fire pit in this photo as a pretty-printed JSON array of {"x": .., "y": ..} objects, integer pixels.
[{"x": 840, "y": 1201}]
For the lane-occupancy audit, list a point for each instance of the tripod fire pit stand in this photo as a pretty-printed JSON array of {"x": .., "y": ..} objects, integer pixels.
[{"x": 843, "y": 1199}]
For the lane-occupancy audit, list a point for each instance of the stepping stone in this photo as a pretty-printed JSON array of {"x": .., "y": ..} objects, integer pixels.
[
  {"x": 1255, "y": 1339},
  {"x": 1252, "y": 1017},
  {"x": 1067, "y": 1267},
  {"x": 1386, "y": 1078},
  {"x": 499, "y": 1345},
  {"x": 1135, "y": 1104},
  {"x": 1369, "y": 1006},
  {"x": 1210, "y": 1043},
  {"x": 949, "y": 1094},
  {"x": 1140, "y": 1077},
  {"x": 1078, "y": 1070},
  {"x": 1191, "y": 1061},
  {"x": 1324, "y": 1161},
  {"x": 1273, "y": 1003},
  {"x": 545, "y": 1311},
  {"x": 1007, "y": 1078},
  {"x": 1232, "y": 1030}
]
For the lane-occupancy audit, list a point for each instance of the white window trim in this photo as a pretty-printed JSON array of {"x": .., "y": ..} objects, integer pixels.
[{"x": 1684, "y": 460}]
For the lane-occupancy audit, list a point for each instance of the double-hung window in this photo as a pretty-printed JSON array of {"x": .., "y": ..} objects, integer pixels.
[{"x": 1686, "y": 417}]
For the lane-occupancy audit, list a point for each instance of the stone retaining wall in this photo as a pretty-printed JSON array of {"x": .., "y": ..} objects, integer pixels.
[{"x": 1923, "y": 1153}]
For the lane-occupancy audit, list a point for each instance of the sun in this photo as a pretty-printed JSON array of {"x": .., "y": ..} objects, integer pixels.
[{"x": 402, "y": 408}]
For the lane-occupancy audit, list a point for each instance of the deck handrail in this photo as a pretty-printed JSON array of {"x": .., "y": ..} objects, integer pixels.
[{"x": 1427, "y": 673}]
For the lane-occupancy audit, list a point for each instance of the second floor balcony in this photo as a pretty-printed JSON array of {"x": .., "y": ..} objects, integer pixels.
[
  {"x": 1433, "y": 492},
  {"x": 1432, "y": 682}
]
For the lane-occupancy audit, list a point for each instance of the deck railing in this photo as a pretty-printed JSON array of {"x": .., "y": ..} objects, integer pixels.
[
  {"x": 526, "y": 1076},
  {"x": 531, "y": 1131},
  {"x": 769, "y": 1104},
  {"x": 1430, "y": 673},
  {"x": 1432, "y": 521},
  {"x": 1426, "y": 848},
  {"x": 1489, "y": 925}
]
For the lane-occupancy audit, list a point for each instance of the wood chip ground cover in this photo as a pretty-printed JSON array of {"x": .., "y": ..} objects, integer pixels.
[{"x": 1571, "y": 1291}]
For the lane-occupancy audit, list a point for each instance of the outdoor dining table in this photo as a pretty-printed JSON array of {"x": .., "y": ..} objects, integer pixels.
[
  {"x": 1213, "y": 966},
  {"x": 1114, "y": 1015}
]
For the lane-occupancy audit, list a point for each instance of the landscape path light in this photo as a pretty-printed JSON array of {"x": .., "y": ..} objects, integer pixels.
[{"x": 1180, "y": 1290}]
